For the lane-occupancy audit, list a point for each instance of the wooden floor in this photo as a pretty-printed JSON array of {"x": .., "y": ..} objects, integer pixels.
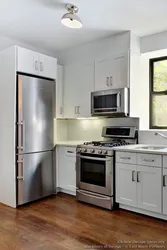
[{"x": 61, "y": 223}]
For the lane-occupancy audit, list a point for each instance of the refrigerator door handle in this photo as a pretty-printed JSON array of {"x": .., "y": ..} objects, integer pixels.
[
  {"x": 22, "y": 130},
  {"x": 21, "y": 177}
]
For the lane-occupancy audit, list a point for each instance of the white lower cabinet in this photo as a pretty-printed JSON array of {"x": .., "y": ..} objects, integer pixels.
[
  {"x": 165, "y": 191},
  {"x": 140, "y": 186},
  {"x": 66, "y": 160},
  {"x": 149, "y": 188},
  {"x": 126, "y": 189}
]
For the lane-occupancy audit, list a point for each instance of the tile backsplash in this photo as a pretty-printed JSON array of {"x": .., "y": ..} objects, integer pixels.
[{"x": 88, "y": 129}]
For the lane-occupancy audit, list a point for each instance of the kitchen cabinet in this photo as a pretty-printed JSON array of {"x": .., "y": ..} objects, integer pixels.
[
  {"x": 165, "y": 191},
  {"x": 112, "y": 73},
  {"x": 149, "y": 188},
  {"x": 139, "y": 185},
  {"x": 59, "y": 92},
  {"x": 66, "y": 169},
  {"x": 78, "y": 85},
  {"x": 35, "y": 63},
  {"x": 126, "y": 189}
]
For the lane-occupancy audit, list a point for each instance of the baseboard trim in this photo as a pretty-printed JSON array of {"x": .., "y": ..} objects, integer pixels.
[
  {"x": 66, "y": 191},
  {"x": 142, "y": 211}
]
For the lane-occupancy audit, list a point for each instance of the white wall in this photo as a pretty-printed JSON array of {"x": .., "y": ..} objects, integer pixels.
[
  {"x": 153, "y": 42},
  {"x": 89, "y": 129},
  {"x": 102, "y": 48},
  {"x": 149, "y": 137}
]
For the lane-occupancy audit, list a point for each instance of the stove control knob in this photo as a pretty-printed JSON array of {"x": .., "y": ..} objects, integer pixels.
[
  {"x": 105, "y": 152},
  {"x": 92, "y": 150},
  {"x": 100, "y": 152},
  {"x": 84, "y": 150}
]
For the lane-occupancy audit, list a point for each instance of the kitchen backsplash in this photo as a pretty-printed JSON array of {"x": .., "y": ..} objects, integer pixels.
[
  {"x": 149, "y": 137},
  {"x": 88, "y": 129}
]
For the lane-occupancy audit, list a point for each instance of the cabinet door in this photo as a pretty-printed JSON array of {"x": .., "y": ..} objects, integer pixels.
[
  {"x": 103, "y": 74},
  {"x": 86, "y": 81},
  {"x": 66, "y": 169},
  {"x": 59, "y": 92},
  {"x": 165, "y": 191},
  {"x": 149, "y": 188},
  {"x": 71, "y": 91},
  {"x": 126, "y": 187},
  {"x": 27, "y": 61},
  {"x": 47, "y": 66},
  {"x": 120, "y": 72}
]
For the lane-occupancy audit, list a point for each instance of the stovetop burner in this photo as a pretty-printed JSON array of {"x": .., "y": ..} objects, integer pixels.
[{"x": 113, "y": 143}]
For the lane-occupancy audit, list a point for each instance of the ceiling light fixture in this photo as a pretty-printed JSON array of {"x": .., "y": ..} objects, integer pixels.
[{"x": 70, "y": 19}]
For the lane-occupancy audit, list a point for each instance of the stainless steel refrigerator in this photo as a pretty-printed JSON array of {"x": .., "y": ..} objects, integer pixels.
[{"x": 34, "y": 138}]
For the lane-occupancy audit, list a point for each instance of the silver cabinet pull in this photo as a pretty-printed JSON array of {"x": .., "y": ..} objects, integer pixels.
[
  {"x": 75, "y": 110},
  {"x": 79, "y": 110},
  {"x": 133, "y": 175},
  {"x": 146, "y": 160},
  {"x": 70, "y": 152},
  {"x": 138, "y": 172},
  {"x": 36, "y": 65},
  {"x": 107, "y": 81},
  {"x": 125, "y": 158},
  {"x": 164, "y": 180},
  {"x": 111, "y": 83},
  {"x": 41, "y": 66},
  {"x": 61, "y": 110}
]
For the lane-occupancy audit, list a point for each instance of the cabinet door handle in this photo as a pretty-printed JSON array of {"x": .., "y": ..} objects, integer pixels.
[
  {"x": 138, "y": 172},
  {"x": 79, "y": 110},
  {"x": 41, "y": 66},
  {"x": 164, "y": 180},
  {"x": 111, "y": 81},
  {"x": 75, "y": 110},
  {"x": 61, "y": 110},
  {"x": 36, "y": 65},
  {"x": 133, "y": 175},
  {"x": 107, "y": 81},
  {"x": 70, "y": 152},
  {"x": 146, "y": 160},
  {"x": 125, "y": 158}
]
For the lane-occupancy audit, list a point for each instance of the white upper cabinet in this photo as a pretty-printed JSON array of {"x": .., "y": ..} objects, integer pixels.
[
  {"x": 165, "y": 191},
  {"x": 27, "y": 61},
  {"x": 47, "y": 66},
  {"x": 59, "y": 92},
  {"x": 126, "y": 187},
  {"x": 112, "y": 73},
  {"x": 149, "y": 188},
  {"x": 34, "y": 63},
  {"x": 78, "y": 85}
]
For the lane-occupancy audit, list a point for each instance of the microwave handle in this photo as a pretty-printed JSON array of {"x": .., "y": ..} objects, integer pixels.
[{"x": 118, "y": 99}]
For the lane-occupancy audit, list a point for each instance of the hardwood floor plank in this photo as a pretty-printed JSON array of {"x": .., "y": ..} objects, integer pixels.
[{"x": 61, "y": 223}]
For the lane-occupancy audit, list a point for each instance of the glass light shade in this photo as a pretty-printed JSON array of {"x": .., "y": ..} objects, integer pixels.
[{"x": 71, "y": 21}]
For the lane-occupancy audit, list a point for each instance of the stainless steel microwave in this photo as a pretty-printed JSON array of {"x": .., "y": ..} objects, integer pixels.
[{"x": 113, "y": 102}]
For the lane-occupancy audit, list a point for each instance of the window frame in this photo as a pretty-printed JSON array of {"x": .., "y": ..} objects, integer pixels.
[{"x": 152, "y": 92}]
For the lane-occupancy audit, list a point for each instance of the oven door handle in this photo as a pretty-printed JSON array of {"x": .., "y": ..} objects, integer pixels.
[
  {"x": 100, "y": 197},
  {"x": 95, "y": 158}
]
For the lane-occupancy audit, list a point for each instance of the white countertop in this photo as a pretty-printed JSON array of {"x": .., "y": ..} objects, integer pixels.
[
  {"x": 137, "y": 148},
  {"x": 69, "y": 143}
]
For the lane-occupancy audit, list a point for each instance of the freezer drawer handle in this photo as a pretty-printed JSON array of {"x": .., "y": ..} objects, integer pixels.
[
  {"x": 21, "y": 177},
  {"x": 100, "y": 197}
]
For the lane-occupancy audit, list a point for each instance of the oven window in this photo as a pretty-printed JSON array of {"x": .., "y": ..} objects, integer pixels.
[
  {"x": 93, "y": 172},
  {"x": 105, "y": 101}
]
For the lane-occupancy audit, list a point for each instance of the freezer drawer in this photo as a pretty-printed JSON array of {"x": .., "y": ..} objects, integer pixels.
[{"x": 34, "y": 176}]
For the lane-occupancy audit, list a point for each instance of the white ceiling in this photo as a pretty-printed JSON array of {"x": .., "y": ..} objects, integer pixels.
[{"x": 37, "y": 22}]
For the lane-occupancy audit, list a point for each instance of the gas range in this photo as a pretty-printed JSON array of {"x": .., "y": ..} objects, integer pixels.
[{"x": 95, "y": 166}]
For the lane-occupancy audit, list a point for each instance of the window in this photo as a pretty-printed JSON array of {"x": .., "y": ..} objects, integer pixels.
[{"x": 158, "y": 93}]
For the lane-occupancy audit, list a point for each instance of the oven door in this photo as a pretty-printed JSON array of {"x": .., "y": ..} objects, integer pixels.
[{"x": 95, "y": 173}]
